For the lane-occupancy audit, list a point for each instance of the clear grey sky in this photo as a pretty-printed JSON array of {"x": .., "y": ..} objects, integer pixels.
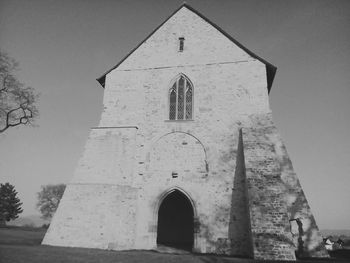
[{"x": 63, "y": 46}]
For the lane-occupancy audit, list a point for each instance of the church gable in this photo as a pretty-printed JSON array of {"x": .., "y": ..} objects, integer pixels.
[
  {"x": 182, "y": 40},
  {"x": 162, "y": 49}
]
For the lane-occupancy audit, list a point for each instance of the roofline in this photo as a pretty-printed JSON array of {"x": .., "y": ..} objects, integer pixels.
[
  {"x": 102, "y": 79},
  {"x": 270, "y": 69}
]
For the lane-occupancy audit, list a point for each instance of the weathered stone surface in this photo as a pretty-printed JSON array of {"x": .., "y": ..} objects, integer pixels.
[
  {"x": 275, "y": 196},
  {"x": 237, "y": 184}
]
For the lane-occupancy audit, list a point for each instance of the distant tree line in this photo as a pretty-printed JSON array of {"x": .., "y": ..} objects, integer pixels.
[{"x": 48, "y": 200}]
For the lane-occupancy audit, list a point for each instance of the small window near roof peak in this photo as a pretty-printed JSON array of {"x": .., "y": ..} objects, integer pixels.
[{"x": 181, "y": 43}]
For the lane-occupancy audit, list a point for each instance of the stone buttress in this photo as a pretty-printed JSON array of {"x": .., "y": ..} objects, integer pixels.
[
  {"x": 275, "y": 197},
  {"x": 99, "y": 205}
]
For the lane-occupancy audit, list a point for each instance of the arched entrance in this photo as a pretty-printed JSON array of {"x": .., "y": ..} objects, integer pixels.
[{"x": 175, "y": 221}]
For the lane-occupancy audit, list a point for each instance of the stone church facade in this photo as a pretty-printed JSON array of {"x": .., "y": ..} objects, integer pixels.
[{"x": 186, "y": 154}]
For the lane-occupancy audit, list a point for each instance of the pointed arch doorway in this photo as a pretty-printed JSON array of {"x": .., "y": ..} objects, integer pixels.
[{"x": 176, "y": 221}]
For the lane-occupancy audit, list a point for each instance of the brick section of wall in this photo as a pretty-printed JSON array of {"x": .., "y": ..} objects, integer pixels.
[
  {"x": 306, "y": 237},
  {"x": 267, "y": 205},
  {"x": 276, "y": 196}
]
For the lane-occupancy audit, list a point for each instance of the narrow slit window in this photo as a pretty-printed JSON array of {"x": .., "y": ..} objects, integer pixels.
[
  {"x": 181, "y": 43},
  {"x": 181, "y": 100}
]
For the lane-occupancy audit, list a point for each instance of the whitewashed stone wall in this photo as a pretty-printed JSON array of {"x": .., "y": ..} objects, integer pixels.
[{"x": 137, "y": 155}]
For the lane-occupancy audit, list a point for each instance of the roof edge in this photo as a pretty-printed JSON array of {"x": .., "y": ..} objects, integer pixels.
[
  {"x": 270, "y": 68},
  {"x": 103, "y": 77}
]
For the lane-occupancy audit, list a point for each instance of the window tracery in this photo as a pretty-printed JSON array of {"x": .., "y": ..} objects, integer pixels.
[{"x": 181, "y": 100}]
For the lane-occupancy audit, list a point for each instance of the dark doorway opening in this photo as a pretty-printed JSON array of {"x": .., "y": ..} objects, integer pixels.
[{"x": 175, "y": 222}]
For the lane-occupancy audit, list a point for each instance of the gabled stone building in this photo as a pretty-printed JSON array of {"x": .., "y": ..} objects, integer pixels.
[{"x": 186, "y": 154}]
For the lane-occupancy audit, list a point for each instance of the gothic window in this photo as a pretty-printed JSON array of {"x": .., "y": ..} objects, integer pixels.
[{"x": 181, "y": 99}]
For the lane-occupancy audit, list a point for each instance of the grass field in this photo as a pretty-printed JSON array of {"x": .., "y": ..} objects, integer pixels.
[{"x": 18, "y": 244}]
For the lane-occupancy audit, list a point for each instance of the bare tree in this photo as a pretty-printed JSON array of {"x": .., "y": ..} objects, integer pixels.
[{"x": 17, "y": 102}]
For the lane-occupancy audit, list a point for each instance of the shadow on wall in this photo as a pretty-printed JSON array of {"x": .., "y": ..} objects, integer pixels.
[
  {"x": 276, "y": 196},
  {"x": 239, "y": 226},
  {"x": 306, "y": 237},
  {"x": 239, "y": 241}
]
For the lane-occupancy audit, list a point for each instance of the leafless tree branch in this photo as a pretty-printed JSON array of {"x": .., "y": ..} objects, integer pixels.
[{"x": 17, "y": 102}]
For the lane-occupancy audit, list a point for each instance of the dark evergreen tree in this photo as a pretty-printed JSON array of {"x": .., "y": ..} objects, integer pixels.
[{"x": 10, "y": 205}]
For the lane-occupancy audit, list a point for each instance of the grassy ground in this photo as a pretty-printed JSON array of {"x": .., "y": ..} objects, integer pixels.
[{"x": 19, "y": 245}]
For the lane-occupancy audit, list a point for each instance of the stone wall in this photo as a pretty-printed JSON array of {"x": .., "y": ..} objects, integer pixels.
[
  {"x": 136, "y": 155},
  {"x": 275, "y": 197},
  {"x": 228, "y": 85},
  {"x": 306, "y": 236},
  {"x": 100, "y": 204},
  {"x": 267, "y": 205},
  {"x": 95, "y": 216}
]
